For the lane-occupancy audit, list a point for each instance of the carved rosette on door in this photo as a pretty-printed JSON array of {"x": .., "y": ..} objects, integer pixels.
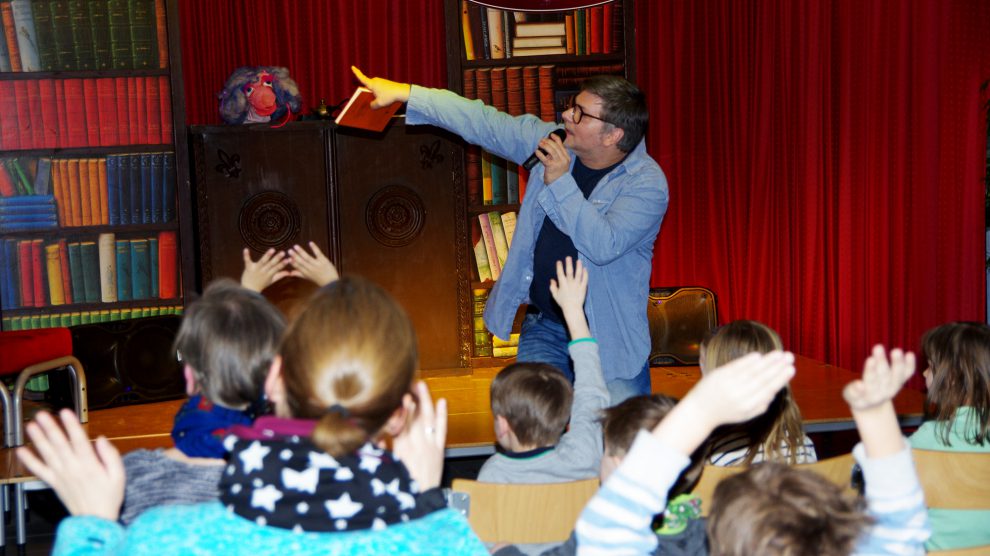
[
  {"x": 269, "y": 219},
  {"x": 395, "y": 216}
]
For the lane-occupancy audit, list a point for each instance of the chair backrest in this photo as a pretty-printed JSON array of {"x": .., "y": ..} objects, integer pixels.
[
  {"x": 525, "y": 513},
  {"x": 837, "y": 469},
  {"x": 954, "y": 480},
  {"x": 679, "y": 318},
  {"x": 972, "y": 551}
]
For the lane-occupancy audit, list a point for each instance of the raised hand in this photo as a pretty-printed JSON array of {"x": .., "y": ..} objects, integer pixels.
[
  {"x": 881, "y": 380},
  {"x": 268, "y": 269},
  {"x": 421, "y": 443},
  {"x": 89, "y": 482},
  {"x": 386, "y": 92},
  {"x": 569, "y": 291},
  {"x": 316, "y": 267}
]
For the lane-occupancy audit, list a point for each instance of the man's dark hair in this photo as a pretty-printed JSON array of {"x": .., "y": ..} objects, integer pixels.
[{"x": 623, "y": 106}]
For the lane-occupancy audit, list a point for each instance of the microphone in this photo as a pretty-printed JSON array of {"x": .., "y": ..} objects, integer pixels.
[{"x": 532, "y": 160}]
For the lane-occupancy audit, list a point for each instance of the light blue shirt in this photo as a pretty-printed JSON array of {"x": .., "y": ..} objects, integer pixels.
[{"x": 613, "y": 230}]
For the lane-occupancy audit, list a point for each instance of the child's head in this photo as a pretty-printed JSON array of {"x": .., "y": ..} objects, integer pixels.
[
  {"x": 958, "y": 374},
  {"x": 621, "y": 423},
  {"x": 347, "y": 360},
  {"x": 227, "y": 340},
  {"x": 781, "y": 423},
  {"x": 775, "y": 509},
  {"x": 534, "y": 400}
]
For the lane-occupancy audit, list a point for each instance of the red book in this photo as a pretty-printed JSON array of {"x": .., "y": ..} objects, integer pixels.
[
  {"x": 359, "y": 113},
  {"x": 607, "y": 28},
  {"x": 547, "y": 112},
  {"x": 23, "y": 115},
  {"x": 483, "y": 85},
  {"x": 153, "y": 108},
  {"x": 523, "y": 178},
  {"x": 61, "y": 114},
  {"x": 123, "y": 114},
  {"x": 75, "y": 113},
  {"x": 595, "y": 28},
  {"x": 162, "y": 31},
  {"x": 165, "y": 97},
  {"x": 499, "y": 98},
  {"x": 9, "y": 137},
  {"x": 468, "y": 84},
  {"x": 142, "y": 111},
  {"x": 107, "y": 109},
  {"x": 7, "y": 188},
  {"x": 63, "y": 255},
  {"x": 37, "y": 122},
  {"x": 49, "y": 112},
  {"x": 168, "y": 256},
  {"x": 133, "y": 118},
  {"x": 37, "y": 272},
  {"x": 531, "y": 90},
  {"x": 514, "y": 90},
  {"x": 92, "y": 103},
  {"x": 10, "y": 34},
  {"x": 24, "y": 264}
]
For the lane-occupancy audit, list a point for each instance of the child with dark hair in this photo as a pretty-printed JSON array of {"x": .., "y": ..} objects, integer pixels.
[
  {"x": 532, "y": 403},
  {"x": 770, "y": 509},
  {"x": 958, "y": 381}
]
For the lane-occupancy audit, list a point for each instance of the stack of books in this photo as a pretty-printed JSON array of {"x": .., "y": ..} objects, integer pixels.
[{"x": 27, "y": 213}]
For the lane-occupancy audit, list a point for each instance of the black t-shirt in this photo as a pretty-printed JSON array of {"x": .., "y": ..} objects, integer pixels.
[{"x": 553, "y": 245}]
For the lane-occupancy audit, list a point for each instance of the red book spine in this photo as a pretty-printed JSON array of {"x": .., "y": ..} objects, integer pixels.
[
  {"x": 7, "y": 188},
  {"x": 483, "y": 85},
  {"x": 607, "y": 28},
  {"x": 123, "y": 114},
  {"x": 75, "y": 113},
  {"x": 514, "y": 90},
  {"x": 142, "y": 111},
  {"x": 547, "y": 112},
  {"x": 153, "y": 108},
  {"x": 9, "y": 137},
  {"x": 107, "y": 109},
  {"x": 168, "y": 256},
  {"x": 133, "y": 119},
  {"x": 468, "y": 83},
  {"x": 523, "y": 178},
  {"x": 37, "y": 122},
  {"x": 162, "y": 31},
  {"x": 61, "y": 113},
  {"x": 24, "y": 264},
  {"x": 23, "y": 115},
  {"x": 595, "y": 28},
  {"x": 49, "y": 112},
  {"x": 531, "y": 90},
  {"x": 165, "y": 98},
  {"x": 92, "y": 103},
  {"x": 10, "y": 34},
  {"x": 63, "y": 255},
  {"x": 37, "y": 272},
  {"x": 499, "y": 98}
]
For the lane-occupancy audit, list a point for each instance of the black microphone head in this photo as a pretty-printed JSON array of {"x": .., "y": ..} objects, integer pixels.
[
  {"x": 562, "y": 133},
  {"x": 532, "y": 160}
]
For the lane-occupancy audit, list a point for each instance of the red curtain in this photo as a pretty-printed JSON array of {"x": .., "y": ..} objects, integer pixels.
[
  {"x": 318, "y": 40},
  {"x": 825, "y": 157},
  {"x": 825, "y": 160}
]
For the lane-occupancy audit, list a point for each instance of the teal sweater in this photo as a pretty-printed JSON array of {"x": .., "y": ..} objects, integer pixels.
[{"x": 210, "y": 529}]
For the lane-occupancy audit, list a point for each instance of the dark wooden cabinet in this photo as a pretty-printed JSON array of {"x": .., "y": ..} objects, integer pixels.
[{"x": 386, "y": 206}]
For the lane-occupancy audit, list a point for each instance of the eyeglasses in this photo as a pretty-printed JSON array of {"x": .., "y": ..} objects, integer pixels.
[{"x": 577, "y": 112}]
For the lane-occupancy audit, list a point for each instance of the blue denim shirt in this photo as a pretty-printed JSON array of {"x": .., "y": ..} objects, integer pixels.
[{"x": 614, "y": 229}]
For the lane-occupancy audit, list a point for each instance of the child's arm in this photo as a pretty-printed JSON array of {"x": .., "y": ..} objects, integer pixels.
[
  {"x": 893, "y": 494},
  {"x": 268, "y": 269},
  {"x": 569, "y": 291},
  {"x": 617, "y": 519},
  {"x": 316, "y": 268}
]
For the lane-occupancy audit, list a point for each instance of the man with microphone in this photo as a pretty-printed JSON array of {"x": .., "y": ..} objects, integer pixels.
[{"x": 595, "y": 195}]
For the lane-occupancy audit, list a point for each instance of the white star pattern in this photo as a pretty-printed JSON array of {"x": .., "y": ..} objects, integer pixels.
[
  {"x": 302, "y": 507},
  {"x": 322, "y": 460},
  {"x": 344, "y": 474},
  {"x": 228, "y": 443},
  {"x": 253, "y": 458},
  {"x": 370, "y": 463},
  {"x": 285, "y": 455},
  {"x": 343, "y": 507},
  {"x": 377, "y": 525},
  {"x": 266, "y": 498},
  {"x": 304, "y": 481},
  {"x": 235, "y": 488},
  {"x": 340, "y": 524},
  {"x": 406, "y": 500},
  {"x": 378, "y": 487}
]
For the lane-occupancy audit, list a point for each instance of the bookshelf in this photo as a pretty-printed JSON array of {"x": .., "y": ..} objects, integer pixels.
[
  {"x": 520, "y": 62},
  {"x": 92, "y": 151}
]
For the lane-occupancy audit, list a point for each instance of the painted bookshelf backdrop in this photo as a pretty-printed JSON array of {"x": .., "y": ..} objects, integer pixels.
[
  {"x": 88, "y": 208},
  {"x": 521, "y": 63}
]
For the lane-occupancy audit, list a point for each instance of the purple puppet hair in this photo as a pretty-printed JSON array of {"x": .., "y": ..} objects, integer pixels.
[{"x": 233, "y": 101}]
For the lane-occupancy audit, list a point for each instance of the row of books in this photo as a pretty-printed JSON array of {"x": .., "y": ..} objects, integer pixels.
[
  {"x": 67, "y": 35},
  {"x": 104, "y": 269},
  {"x": 74, "y": 318},
  {"x": 66, "y": 113},
  {"x": 27, "y": 212},
  {"x": 496, "y": 34},
  {"x": 485, "y": 344},
  {"x": 491, "y": 239}
]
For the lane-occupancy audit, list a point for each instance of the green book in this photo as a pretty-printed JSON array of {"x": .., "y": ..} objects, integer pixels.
[
  {"x": 17, "y": 323},
  {"x": 103, "y": 316},
  {"x": 66, "y": 319},
  {"x": 156, "y": 311},
  {"x": 124, "y": 270},
  {"x": 65, "y": 51},
  {"x": 6, "y": 323},
  {"x": 91, "y": 270},
  {"x": 125, "y": 314},
  {"x": 35, "y": 322},
  {"x": 499, "y": 181},
  {"x": 140, "y": 269},
  {"x": 580, "y": 30},
  {"x": 144, "y": 35},
  {"x": 153, "y": 260},
  {"x": 82, "y": 34},
  {"x": 119, "y": 25},
  {"x": 99, "y": 24},
  {"x": 43, "y": 30},
  {"x": 114, "y": 314},
  {"x": 75, "y": 318},
  {"x": 46, "y": 321},
  {"x": 86, "y": 317},
  {"x": 76, "y": 273}
]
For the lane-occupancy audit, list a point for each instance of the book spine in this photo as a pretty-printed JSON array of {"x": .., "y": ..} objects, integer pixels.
[
  {"x": 580, "y": 34},
  {"x": 466, "y": 31},
  {"x": 61, "y": 113},
  {"x": 38, "y": 272},
  {"x": 165, "y": 98},
  {"x": 4, "y": 56},
  {"x": 155, "y": 187},
  {"x": 133, "y": 118},
  {"x": 123, "y": 269},
  {"x": 99, "y": 23},
  {"x": 123, "y": 111},
  {"x": 10, "y": 35},
  {"x": 21, "y": 181},
  {"x": 82, "y": 34},
  {"x": 63, "y": 256},
  {"x": 547, "y": 112},
  {"x": 496, "y": 34},
  {"x": 483, "y": 85},
  {"x": 472, "y": 162},
  {"x": 153, "y": 109},
  {"x": 140, "y": 107},
  {"x": 95, "y": 188},
  {"x": 75, "y": 193},
  {"x": 11, "y": 274},
  {"x": 168, "y": 260},
  {"x": 90, "y": 256},
  {"x": 9, "y": 124},
  {"x": 65, "y": 52},
  {"x": 608, "y": 27},
  {"x": 144, "y": 34},
  {"x": 480, "y": 254},
  {"x": 486, "y": 233},
  {"x": 119, "y": 24},
  {"x": 43, "y": 30},
  {"x": 124, "y": 188},
  {"x": 161, "y": 33},
  {"x": 135, "y": 189},
  {"x": 145, "y": 162},
  {"x": 154, "y": 272},
  {"x": 515, "y": 104},
  {"x": 511, "y": 182},
  {"x": 168, "y": 188},
  {"x": 26, "y": 138},
  {"x": 486, "y": 177},
  {"x": 53, "y": 264},
  {"x": 101, "y": 179},
  {"x": 531, "y": 90},
  {"x": 499, "y": 98},
  {"x": 486, "y": 42},
  {"x": 140, "y": 266},
  {"x": 482, "y": 339},
  {"x": 27, "y": 39},
  {"x": 107, "y": 112},
  {"x": 618, "y": 25},
  {"x": 58, "y": 185},
  {"x": 7, "y": 187},
  {"x": 49, "y": 112},
  {"x": 595, "y": 30},
  {"x": 509, "y": 227},
  {"x": 91, "y": 98},
  {"x": 108, "y": 267},
  {"x": 499, "y": 181},
  {"x": 75, "y": 115},
  {"x": 24, "y": 264},
  {"x": 569, "y": 33},
  {"x": 113, "y": 189},
  {"x": 37, "y": 121},
  {"x": 498, "y": 235}
]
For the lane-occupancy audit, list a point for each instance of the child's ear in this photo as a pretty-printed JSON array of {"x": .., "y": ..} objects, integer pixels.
[
  {"x": 191, "y": 386},
  {"x": 397, "y": 421},
  {"x": 274, "y": 387},
  {"x": 502, "y": 428}
]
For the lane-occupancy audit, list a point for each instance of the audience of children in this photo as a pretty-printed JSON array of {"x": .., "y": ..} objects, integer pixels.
[
  {"x": 770, "y": 508},
  {"x": 958, "y": 381},
  {"x": 315, "y": 479},
  {"x": 532, "y": 403},
  {"x": 775, "y": 435},
  {"x": 227, "y": 341}
]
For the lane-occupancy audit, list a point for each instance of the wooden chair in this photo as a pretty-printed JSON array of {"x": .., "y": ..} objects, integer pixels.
[
  {"x": 837, "y": 469},
  {"x": 955, "y": 481},
  {"x": 525, "y": 513}
]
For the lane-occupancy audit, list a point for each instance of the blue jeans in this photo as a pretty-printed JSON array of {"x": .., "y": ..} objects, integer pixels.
[{"x": 545, "y": 341}]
